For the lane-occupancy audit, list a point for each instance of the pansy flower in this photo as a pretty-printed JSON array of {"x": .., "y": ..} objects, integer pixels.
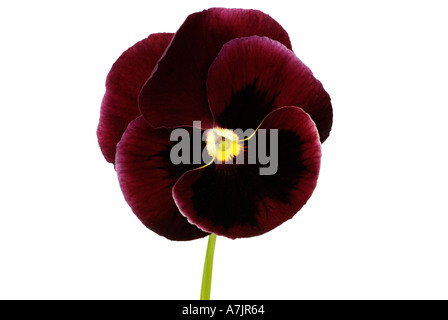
[{"x": 224, "y": 69}]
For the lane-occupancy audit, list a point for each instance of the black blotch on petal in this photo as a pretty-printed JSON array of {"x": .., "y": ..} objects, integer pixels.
[
  {"x": 173, "y": 171},
  {"x": 232, "y": 194},
  {"x": 247, "y": 108}
]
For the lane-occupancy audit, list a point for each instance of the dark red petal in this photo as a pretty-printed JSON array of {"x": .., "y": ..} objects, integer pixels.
[
  {"x": 253, "y": 76},
  {"x": 123, "y": 84},
  {"x": 147, "y": 175},
  {"x": 175, "y": 95},
  {"x": 236, "y": 201}
]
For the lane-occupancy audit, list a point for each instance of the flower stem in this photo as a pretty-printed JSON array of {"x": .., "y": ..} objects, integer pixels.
[{"x": 208, "y": 268}]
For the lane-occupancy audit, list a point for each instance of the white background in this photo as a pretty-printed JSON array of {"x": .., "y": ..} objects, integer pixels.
[{"x": 375, "y": 228}]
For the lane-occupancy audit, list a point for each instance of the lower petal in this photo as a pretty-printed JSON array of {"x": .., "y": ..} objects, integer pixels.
[{"x": 235, "y": 200}]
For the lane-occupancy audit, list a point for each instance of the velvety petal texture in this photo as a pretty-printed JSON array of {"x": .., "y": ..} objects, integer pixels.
[
  {"x": 175, "y": 95},
  {"x": 253, "y": 76},
  {"x": 123, "y": 84},
  {"x": 235, "y": 201},
  {"x": 147, "y": 176},
  {"x": 229, "y": 69}
]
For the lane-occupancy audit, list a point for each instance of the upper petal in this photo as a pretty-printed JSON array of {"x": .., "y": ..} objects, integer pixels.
[
  {"x": 147, "y": 175},
  {"x": 236, "y": 200},
  {"x": 253, "y": 76},
  {"x": 123, "y": 84},
  {"x": 175, "y": 95}
]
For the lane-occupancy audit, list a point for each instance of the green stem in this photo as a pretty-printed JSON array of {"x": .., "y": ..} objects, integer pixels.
[{"x": 208, "y": 268}]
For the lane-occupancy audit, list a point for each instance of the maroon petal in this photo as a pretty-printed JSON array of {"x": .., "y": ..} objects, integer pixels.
[
  {"x": 147, "y": 175},
  {"x": 175, "y": 95},
  {"x": 123, "y": 84},
  {"x": 235, "y": 201},
  {"x": 253, "y": 76}
]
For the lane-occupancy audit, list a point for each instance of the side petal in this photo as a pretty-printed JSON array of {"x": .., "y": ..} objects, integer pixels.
[
  {"x": 147, "y": 175},
  {"x": 235, "y": 200},
  {"x": 123, "y": 84},
  {"x": 175, "y": 95},
  {"x": 254, "y": 76}
]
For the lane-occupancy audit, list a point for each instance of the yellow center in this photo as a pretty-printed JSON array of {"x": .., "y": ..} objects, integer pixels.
[{"x": 222, "y": 144}]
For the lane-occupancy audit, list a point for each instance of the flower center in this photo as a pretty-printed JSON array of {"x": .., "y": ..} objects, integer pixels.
[{"x": 222, "y": 144}]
